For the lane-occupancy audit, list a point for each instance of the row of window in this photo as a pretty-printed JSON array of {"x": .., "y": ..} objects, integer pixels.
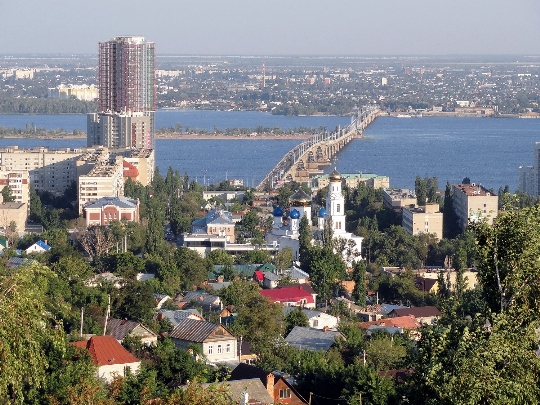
[{"x": 219, "y": 349}]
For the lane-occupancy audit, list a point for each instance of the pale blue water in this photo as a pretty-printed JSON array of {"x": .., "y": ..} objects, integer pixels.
[{"x": 488, "y": 150}]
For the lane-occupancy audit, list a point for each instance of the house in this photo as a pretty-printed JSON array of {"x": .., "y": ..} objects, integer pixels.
[
  {"x": 16, "y": 262},
  {"x": 175, "y": 317},
  {"x": 247, "y": 392},
  {"x": 316, "y": 319},
  {"x": 216, "y": 222},
  {"x": 207, "y": 302},
  {"x": 245, "y": 354},
  {"x": 110, "y": 357},
  {"x": 428, "y": 315},
  {"x": 293, "y": 296},
  {"x": 376, "y": 311},
  {"x": 279, "y": 385},
  {"x": 160, "y": 299},
  {"x": 216, "y": 342},
  {"x": 392, "y": 325},
  {"x": 313, "y": 339},
  {"x": 270, "y": 280},
  {"x": 120, "y": 328},
  {"x": 426, "y": 285},
  {"x": 38, "y": 247}
]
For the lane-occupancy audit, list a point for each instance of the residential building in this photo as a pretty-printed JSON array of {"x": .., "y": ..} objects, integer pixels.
[
  {"x": 177, "y": 316},
  {"x": 352, "y": 180},
  {"x": 106, "y": 209},
  {"x": 393, "y": 325},
  {"x": 529, "y": 176},
  {"x": 423, "y": 219},
  {"x": 104, "y": 180},
  {"x": 78, "y": 91},
  {"x": 120, "y": 328},
  {"x": 280, "y": 386},
  {"x": 397, "y": 198},
  {"x": 39, "y": 247},
  {"x": 13, "y": 213},
  {"x": 127, "y": 95},
  {"x": 292, "y": 296},
  {"x": 313, "y": 339},
  {"x": 316, "y": 319},
  {"x": 216, "y": 343},
  {"x": 246, "y": 392},
  {"x": 427, "y": 314},
  {"x": 19, "y": 183},
  {"x": 110, "y": 357},
  {"x": 217, "y": 223},
  {"x": 473, "y": 203}
]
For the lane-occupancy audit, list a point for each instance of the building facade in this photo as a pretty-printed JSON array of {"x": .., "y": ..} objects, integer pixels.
[
  {"x": 104, "y": 180},
  {"x": 424, "y": 219},
  {"x": 397, "y": 198},
  {"x": 473, "y": 203},
  {"x": 127, "y": 95},
  {"x": 106, "y": 209}
]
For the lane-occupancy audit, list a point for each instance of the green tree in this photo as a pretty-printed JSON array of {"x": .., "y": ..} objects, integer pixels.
[
  {"x": 7, "y": 194},
  {"x": 296, "y": 317},
  {"x": 420, "y": 190},
  {"x": 359, "y": 276}
]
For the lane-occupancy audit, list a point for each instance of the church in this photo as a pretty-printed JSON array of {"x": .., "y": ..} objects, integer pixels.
[{"x": 285, "y": 230}]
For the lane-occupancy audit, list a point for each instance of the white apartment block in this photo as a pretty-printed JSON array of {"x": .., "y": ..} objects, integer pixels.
[
  {"x": 106, "y": 179},
  {"x": 424, "y": 219},
  {"x": 473, "y": 203},
  {"x": 49, "y": 170},
  {"x": 397, "y": 198}
]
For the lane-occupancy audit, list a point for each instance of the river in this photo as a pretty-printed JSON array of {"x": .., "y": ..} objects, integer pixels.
[{"x": 487, "y": 150}]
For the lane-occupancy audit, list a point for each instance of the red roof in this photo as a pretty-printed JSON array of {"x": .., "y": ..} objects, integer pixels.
[
  {"x": 258, "y": 275},
  {"x": 288, "y": 295},
  {"x": 130, "y": 170},
  {"x": 404, "y": 322},
  {"x": 105, "y": 350}
]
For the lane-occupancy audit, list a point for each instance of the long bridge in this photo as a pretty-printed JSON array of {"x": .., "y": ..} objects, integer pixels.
[{"x": 307, "y": 158}]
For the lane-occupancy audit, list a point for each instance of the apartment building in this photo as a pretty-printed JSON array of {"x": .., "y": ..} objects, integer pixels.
[
  {"x": 473, "y": 203},
  {"x": 397, "y": 198},
  {"x": 19, "y": 182},
  {"x": 423, "y": 219},
  {"x": 106, "y": 179},
  {"x": 48, "y": 170},
  {"x": 352, "y": 180}
]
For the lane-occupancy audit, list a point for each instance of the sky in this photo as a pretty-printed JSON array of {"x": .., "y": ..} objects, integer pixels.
[{"x": 275, "y": 27}]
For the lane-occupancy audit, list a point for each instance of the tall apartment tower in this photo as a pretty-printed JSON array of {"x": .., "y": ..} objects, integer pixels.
[{"x": 127, "y": 95}]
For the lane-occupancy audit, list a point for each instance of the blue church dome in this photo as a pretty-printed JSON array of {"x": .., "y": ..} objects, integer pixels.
[
  {"x": 278, "y": 212},
  {"x": 295, "y": 214},
  {"x": 321, "y": 213}
]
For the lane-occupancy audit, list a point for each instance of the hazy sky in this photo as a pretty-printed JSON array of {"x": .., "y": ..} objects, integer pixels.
[{"x": 275, "y": 27}]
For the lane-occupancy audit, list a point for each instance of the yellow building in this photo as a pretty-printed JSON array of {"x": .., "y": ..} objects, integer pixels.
[
  {"x": 352, "y": 180},
  {"x": 473, "y": 203},
  {"x": 424, "y": 219}
]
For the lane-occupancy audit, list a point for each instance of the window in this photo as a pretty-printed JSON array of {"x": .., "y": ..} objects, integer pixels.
[
  {"x": 284, "y": 393},
  {"x": 219, "y": 350},
  {"x": 228, "y": 349},
  {"x": 338, "y": 208},
  {"x": 210, "y": 349},
  {"x": 315, "y": 323}
]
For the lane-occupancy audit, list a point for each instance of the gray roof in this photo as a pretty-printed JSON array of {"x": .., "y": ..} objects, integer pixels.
[
  {"x": 387, "y": 308},
  {"x": 214, "y": 217},
  {"x": 175, "y": 317},
  {"x": 122, "y": 202},
  {"x": 255, "y": 389},
  {"x": 20, "y": 261},
  {"x": 296, "y": 273},
  {"x": 219, "y": 285},
  {"x": 201, "y": 298},
  {"x": 271, "y": 276},
  {"x": 192, "y": 330},
  {"x": 312, "y": 339},
  {"x": 120, "y": 328}
]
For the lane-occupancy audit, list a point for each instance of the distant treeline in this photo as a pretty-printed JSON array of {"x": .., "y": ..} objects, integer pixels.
[
  {"x": 32, "y": 131},
  {"x": 13, "y": 105},
  {"x": 179, "y": 128}
]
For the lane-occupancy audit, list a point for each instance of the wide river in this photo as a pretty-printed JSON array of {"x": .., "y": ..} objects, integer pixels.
[{"x": 487, "y": 150}]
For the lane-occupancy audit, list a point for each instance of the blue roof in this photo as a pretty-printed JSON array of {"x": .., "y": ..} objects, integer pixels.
[
  {"x": 278, "y": 212},
  {"x": 322, "y": 212},
  {"x": 295, "y": 214},
  {"x": 43, "y": 245}
]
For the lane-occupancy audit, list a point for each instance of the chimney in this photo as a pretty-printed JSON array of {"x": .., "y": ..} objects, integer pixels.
[
  {"x": 325, "y": 328},
  {"x": 270, "y": 385},
  {"x": 220, "y": 279},
  {"x": 160, "y": 317},
  {"x": 45, "y": 241}
]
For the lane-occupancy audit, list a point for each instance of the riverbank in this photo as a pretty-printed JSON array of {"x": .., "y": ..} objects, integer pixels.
[{"x": 178, "y": 136}]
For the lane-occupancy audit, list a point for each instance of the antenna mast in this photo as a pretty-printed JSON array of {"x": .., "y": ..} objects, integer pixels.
[{"x": 263, "y": 75}]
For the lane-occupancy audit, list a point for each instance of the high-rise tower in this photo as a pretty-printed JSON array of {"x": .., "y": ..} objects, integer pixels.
[{"x": 127, "y": 95}]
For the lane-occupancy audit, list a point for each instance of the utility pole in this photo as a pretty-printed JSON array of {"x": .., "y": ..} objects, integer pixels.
[
  {"x": 107, "y": 314},
  {"x": 311, "y": 393},
  {"x": 82, "y": 320}
]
